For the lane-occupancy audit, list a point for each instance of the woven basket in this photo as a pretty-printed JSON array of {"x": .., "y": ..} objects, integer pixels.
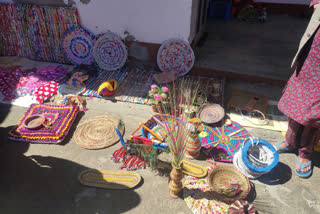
[
  {"x": 98, "y": 132},
  {"x": 211, "y": 113},
  {"x": 221, "y": 177}
]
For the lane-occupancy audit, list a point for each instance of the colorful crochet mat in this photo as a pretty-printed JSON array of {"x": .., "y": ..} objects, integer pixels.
[
  {"x": 35, "y": 31},
  {"x": 77, "y": 46},
  {"x": 175, "y": 55},
  {"x": 199, "y": 199},
  {"x": 134, "y": 84},
  {"x": 223, "y": 142},
  {"x": 60, "y": 117},
  {"x": 110, "y": 52}
]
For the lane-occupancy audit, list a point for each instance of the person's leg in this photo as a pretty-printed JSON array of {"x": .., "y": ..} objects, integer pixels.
[
  {"x": 309, "y": 138},
  {"x": 291, "y": 135}
]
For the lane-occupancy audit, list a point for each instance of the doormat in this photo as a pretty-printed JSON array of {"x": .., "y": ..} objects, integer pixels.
[
  {"x": 274, "y": 119},
  {"x": 134, "y": 84}
]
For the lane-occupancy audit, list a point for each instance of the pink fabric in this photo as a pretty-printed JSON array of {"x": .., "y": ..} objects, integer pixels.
[
  {"x": 46, "y": 91},
  {"x": 9, "y": 79},
  {"x": 313, "y": 2},
  {"x": 301, "y": 98},
  {"x": 27, "y": 85},
  {"x": 301, "y": 137}
]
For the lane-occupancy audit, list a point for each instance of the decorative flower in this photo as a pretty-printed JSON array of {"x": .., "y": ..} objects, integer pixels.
[
  {"x": 154, "y": 86},
  {"x": 165, "y": 89},
  {"x": 157, "y": 97},
  {"x": 164, "y": 96},
  {"x": 152, "y": 91}
]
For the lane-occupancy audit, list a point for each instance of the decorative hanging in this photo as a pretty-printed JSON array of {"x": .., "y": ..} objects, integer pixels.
[
  {"x": 77, "y": 46},
  {"x": 175, "y": 55},
  {"x": 110, "y": 52}
]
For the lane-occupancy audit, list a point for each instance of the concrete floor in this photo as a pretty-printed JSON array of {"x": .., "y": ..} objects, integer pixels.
[
  {"x": 252, "y": 48},
  {"x": 43, "y": 178}
]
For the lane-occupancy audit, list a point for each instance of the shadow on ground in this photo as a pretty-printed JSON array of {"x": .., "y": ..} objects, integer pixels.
[
  {"x": 39, "y": 184},
  {"x": 281, "y": 174}
]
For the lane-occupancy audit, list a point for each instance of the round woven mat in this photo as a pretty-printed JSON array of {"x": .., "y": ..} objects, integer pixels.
[
  {"x": 98, "y": 132},
  {"x": 211, "y": 113},
  {"x": 110, "y": 52},
  {"x": 175, "y": 55},
  {"x": 222, "y": 176},
  {"x": 77, "y": 46}
]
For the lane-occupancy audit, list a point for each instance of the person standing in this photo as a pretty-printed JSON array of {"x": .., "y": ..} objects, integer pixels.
[{"x": 301, "y": 98}]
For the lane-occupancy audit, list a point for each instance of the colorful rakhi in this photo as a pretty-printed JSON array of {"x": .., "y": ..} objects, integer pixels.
[
  {"x": 110, "y": 52},
  {"x": 77, "y": 46},
  {"x": 175, "y": 55}
]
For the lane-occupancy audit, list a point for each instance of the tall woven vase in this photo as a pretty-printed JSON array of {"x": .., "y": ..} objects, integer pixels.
[
  {"x": 193, "y": 146},
  {"x": 175, "y": 184}
]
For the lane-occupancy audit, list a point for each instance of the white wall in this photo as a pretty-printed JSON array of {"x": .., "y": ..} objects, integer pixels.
[{"x": 147, "y": 20}]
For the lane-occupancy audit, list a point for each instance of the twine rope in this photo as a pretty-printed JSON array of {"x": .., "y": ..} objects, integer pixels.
[{"x": 239, "y": 164}]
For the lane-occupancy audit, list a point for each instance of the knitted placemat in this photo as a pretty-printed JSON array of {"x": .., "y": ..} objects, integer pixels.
[
  {"x": 77, "y": 46},
  {"x": 110, "y": 52},
  {"x": 98, "y": 132},
  {"x": 109, "y": 179},
  {"x": 175, "y": 55}
]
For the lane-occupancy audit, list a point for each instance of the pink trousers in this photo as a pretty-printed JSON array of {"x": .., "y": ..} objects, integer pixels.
[{"x": 301, "y": 137}]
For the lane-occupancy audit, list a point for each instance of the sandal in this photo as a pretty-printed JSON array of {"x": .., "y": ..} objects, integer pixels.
[
  {"x": 302, "y": 166},
  {"x": 282, "y": 149}
]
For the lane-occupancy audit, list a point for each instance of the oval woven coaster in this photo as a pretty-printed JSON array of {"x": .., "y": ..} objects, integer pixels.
[{"x": 98, "y": 132}]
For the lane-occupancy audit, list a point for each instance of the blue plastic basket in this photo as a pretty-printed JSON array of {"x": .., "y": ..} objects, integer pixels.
[{"x": 220, "y": 9}]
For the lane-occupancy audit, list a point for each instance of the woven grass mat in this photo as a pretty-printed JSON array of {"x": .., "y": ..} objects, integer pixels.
[
  {"x": 109, "y": 179},
  {"x": 98, "y": 132},
  {"x": 193, "y": 169}
]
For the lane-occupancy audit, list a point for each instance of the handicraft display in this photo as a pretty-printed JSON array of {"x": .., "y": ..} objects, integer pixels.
[
  {"x": 175, "y": 55},
  {"x": 58, "y": 120},
  {"x": 77, "y": 46},
  {"x": 110, "y": 52}
]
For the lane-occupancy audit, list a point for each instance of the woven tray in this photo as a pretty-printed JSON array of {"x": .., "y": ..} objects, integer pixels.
[
  {"x": 109, "y": 179},
  {"x": 98, "y": 132},
  {"x": 193, "y": 169}
]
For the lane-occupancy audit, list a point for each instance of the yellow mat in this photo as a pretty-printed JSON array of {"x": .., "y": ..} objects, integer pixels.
[
  {"x": 193, "y": 169},
  {"x": 109, "y": 179}
]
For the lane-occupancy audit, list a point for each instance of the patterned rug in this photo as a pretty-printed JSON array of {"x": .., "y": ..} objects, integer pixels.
[{"x": 134, "y": 84}]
